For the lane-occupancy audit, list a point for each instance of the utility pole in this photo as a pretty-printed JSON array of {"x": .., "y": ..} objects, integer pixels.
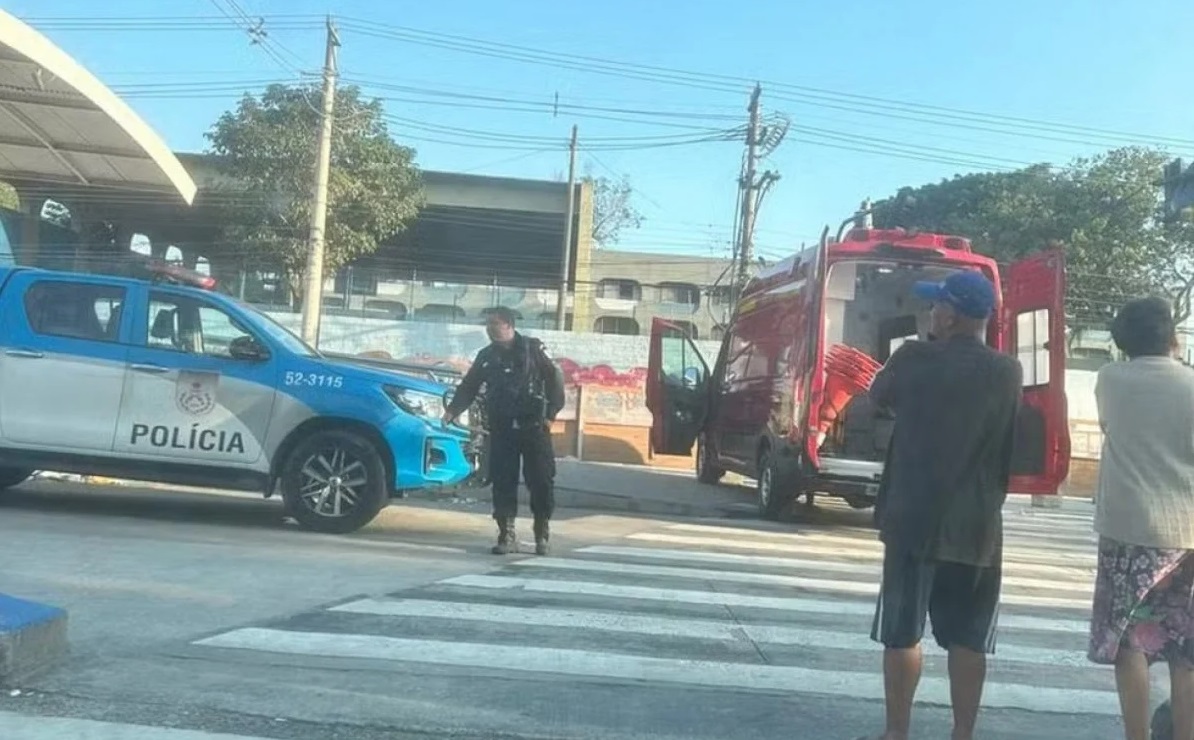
[
  {"x": 1177, "y": 184},
  {"x": 566, "y": 258},
  {"x": 313, "y": 292},
  {"x": 747, "y": 187}
]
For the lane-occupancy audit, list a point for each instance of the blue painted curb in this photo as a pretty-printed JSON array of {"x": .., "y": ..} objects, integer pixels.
[
  {"x": 32, "y": 638},
  {"x": 17, "y": 614}
]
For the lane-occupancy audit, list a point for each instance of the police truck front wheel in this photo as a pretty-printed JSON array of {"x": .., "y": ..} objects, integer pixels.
[{"x": 334, "y": 481}]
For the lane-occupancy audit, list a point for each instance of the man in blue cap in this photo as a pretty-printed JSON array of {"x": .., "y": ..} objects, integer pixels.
[{"x": 940, "y": 503}]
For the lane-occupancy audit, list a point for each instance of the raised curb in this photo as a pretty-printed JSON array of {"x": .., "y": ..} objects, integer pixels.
[
  {"x": 585, "y": 499},
  {"x": 32, "y": 639},
  {"x": 578, "y": 498}
]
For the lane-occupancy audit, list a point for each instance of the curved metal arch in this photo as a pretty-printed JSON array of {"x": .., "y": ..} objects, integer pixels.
[{"x": 49, "y": 102}]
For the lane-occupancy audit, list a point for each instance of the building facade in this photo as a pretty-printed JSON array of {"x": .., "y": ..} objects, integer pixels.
[{"x": 615, "y": 293}]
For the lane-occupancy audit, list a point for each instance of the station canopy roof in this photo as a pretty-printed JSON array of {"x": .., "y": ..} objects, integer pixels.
[{"x": 59, "y": 124}]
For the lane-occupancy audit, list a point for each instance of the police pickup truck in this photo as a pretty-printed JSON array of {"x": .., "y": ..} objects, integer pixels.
[{"x": 158, "y": 377}]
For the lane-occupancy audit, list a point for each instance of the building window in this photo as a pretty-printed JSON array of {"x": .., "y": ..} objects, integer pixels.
[
  {"x": 622, "y": 290},
  {"x": 685, "y": 329},
  {"x": 1032, "y": 346},
  {"x": 623, "y": 325},
  {"x": 682, "y": 293}
]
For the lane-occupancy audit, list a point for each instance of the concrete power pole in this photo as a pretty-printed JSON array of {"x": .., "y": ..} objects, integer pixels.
[
  {"x": 566, "y": 258},
  {"x": 313, "y": 290},
  {"x": 749, "y": 186}
]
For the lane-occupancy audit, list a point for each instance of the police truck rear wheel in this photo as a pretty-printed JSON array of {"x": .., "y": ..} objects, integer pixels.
[{"x": 334, "y": 481}]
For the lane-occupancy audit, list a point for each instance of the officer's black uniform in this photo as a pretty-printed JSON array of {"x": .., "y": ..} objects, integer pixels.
[{"x": 524, "y": 391}]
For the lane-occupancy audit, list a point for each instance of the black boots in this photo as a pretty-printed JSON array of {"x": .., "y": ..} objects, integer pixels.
[
  {"x": 542, "y": 534},
  {"x": 507, "y": 540}
]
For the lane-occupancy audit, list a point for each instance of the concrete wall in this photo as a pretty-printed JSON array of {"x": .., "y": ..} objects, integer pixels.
[
  {"x": 456, "y": 344},
  {"x": 608, "y": 410},
  {"x": 605, "y": 418}
]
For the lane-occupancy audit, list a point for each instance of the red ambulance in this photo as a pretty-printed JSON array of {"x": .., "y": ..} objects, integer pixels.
[{"x": 784, "y": 402}]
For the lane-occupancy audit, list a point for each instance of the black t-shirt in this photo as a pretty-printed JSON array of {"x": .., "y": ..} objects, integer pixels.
[{"x": 955, "y": 403}]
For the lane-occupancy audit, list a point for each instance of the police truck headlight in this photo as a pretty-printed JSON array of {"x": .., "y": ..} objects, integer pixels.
[
  {"x": 417, "y": 403},
  {"x": 461, "y": 420}
]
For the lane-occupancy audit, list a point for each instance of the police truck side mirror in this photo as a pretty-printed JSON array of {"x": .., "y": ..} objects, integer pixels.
[{"x": 247, "y": 348}]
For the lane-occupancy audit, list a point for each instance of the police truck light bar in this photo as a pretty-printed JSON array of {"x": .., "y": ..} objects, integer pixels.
[{"x": 181, "y": 275}]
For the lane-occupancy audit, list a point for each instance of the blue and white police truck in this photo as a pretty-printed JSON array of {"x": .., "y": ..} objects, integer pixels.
[{"x": 161, "y": 378}]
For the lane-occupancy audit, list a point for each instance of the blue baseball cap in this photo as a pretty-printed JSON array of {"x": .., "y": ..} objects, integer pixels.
[{"x": 968, "y": 292}]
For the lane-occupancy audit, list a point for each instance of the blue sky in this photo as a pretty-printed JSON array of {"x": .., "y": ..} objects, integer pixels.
[{"x": 1097, "y": 64}]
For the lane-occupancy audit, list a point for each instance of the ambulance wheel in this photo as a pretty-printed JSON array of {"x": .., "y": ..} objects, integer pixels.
[
  {"x": 707, "y": 470},
  {"x": 334, "y": 481},
  {"x": 774, "y": 493},
  {"x": 10, "y": 477}
]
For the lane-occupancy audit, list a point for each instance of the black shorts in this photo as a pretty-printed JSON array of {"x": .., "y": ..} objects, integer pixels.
[{"x": 961, "y": 600}]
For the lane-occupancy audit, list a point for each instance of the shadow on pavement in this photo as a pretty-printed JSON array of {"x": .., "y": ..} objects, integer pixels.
[
  {"x": 427, "y": 524},
  {"x": 583, "y": 489},
  {"x": 830, "y": 513},
  {"x": 167, "y": 505}
]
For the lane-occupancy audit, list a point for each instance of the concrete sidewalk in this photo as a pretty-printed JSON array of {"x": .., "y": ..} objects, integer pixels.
[
  {"x": 646, "y": 490},
  {"x": 669, "y": 492},
  {"x": 635, "y": 489},
  {"x": 631, "y": 489}
]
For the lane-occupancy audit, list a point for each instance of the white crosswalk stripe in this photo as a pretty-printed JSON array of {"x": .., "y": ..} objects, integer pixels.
[{"x": 739, "y": 608}]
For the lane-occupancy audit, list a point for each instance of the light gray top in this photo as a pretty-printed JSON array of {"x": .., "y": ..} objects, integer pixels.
[{"x": 1146, "y": 474}]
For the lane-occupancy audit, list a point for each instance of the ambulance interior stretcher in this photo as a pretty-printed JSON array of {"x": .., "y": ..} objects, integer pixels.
[{"x": 869, "y": 306}]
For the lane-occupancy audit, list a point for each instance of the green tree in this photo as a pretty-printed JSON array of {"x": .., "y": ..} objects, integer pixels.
[
  {"x": 1104, "y": 211},
  {"x": 613, "y": 209},
  {"x": 267, "y": 146},
  {"x": 9, "y": 198}
]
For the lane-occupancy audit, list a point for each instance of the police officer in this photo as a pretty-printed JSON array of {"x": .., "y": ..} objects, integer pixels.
[{"x": 524, "y": 390}]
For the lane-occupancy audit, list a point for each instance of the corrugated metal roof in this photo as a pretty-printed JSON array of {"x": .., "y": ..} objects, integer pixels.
[{"x": 58, "y": 123}]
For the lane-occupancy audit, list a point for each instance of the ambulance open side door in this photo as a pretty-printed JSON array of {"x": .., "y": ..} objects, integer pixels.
[
  {"x": 1033, "y": 325},
  {"x": 677, "y": 391}
]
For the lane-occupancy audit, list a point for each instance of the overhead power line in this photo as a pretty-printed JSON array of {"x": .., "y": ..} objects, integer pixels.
[
  {"x": 715, "y": 82},
  {"x": 730, "y": 83},
  {"x": 477, "y": 138}
]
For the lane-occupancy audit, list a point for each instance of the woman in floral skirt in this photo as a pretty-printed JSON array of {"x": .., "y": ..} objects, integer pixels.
[{"x": 1144, "y": 593}]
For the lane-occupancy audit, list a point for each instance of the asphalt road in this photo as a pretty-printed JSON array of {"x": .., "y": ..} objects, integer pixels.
[{"x": 208, "y": 615}]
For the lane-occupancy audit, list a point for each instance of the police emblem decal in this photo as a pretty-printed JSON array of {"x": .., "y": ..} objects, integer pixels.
[{"x": 195, "y": 393}]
